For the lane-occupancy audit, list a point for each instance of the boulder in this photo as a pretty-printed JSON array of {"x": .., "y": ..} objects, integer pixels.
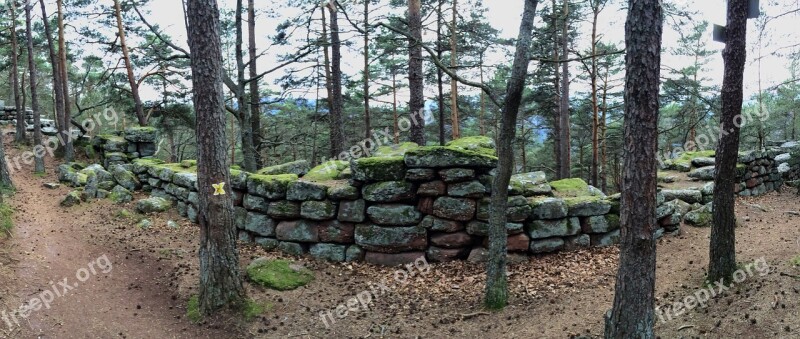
[
  {"x": 185, "y": 179},
  {"x": 703, "y": 161},
  {"x": 388, "y": 191},
  {"x": 259, "y": 224},
  {"x": 342, "y": 192},
  {"x": 451, "y": 240},
  {"x": 587, "y": 206},
  {"x": 394, "y": 215},
  {"x": 546, "y": 245},
  {"x": 306, "y": 190},
  {"x": 530, "y": 184},
  {"x": 441, "y": 225},
  {"x": 447, "y": 156},
  {"x": 298, "y": 231},
  {"x": 605, "y": 239},
  {"x": 270, "y": 186},
  {"x": 438, "y": 254},
  {"x": 548, "y": 208},
  {"x": 540, "y": 229},
  {"x": 153, "y": 205},
  {"x": 299, "y": 168},
  {"x": 701, "y": 217},
  {"x": 460, "y": 209},
  {"x": 352, "y": 211},
  {"x": 125, "y": 178},
  {"x": 390, "y": 239},
  {"x": 378, "y": 169},
  {"x": 468, "y": 189},
  {"x": 452, "y": 175},
  {"x": 329, "y": 252},
  {"x": 420, "y": 174},
  {"x": 71, "y": 199},
  {"x": 480, "y": 228},
  {"x": 354, "y": 253},
  {"x": 689, "y": 196},
  {"x": 255, "y": 203},
  {"x": 327, "y": 171},
  {"x": 318, "y": 210},
  {"x": 432, "y": 189},
  {"x": 141, "y": 134},
  {"x": 334, "y": 231},
  {"x": 120, "y": 195},
  {"x": 703, "y": 173}
]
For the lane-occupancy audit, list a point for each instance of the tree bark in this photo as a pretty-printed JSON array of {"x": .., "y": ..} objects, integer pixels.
[
  {"x": 37, "y": 124},
  {"x": 564, "y": 110},
  {"x": 245, "y": 121},
  {"x": 440, "y": 73},
  {"x": 416, "y": 78},
  {"x": 55, "y": 64},
  {"x": 556, "y": 96},
  {"x": 367, "y": 127},
  {"x": 66, "y": 131},
  {"x": 496, "y": 279},
  {"x": 20, "y": 110},
  {"x": 632, "y": 315},
  {"x": 453, "y": 83},
  {"x": 220, "y": 281},
  {"x": 336, "y": 101},
  {"x": 255, "y": 94},
  {"x": 137, "y": 100},
  {"x": 722, "y": 251},
  {"x": 595, "y": 120}
]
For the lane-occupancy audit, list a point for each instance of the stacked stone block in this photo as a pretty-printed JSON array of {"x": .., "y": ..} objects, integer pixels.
[
  {"x": 9, "y": 114},
  {"x": 126, "y": 146}
]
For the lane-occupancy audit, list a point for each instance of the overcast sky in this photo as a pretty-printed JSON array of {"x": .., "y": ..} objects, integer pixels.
[{"x": 505, "y": 15}]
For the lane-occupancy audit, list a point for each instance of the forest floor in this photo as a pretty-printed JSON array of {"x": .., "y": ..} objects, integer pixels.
[{"x": 143, "y": 293}]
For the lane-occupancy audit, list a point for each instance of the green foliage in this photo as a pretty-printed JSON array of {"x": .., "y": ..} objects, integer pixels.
[
  {"x": 573, "y": 187},
  {"x": 278, "y": 274},
  {"x": 193, "y": 310},
  {"x": 6, "y": 218}
]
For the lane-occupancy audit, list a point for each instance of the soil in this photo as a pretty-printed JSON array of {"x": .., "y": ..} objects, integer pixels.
[{"x": 562, "y": 295}]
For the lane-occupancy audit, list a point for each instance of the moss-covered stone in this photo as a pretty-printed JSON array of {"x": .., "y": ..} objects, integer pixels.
[
  {"x": 530, "y": 184},
  {"x": 379, "y": 169},
  {"x": 120, "y": 195},
  {"x": 548, "y": 208},
  {"x": 277, "y": 274},
  {"x": 71, "y": 199},
  {"x": 189, "y": 163},
  {"x": 480, "y": 144},
  {"x": 395, "y": 150},
  {"x": 329, "y": 170},
  {"x": 683, "y": 162},
  {"x": 342, "y": 192},
  {"x": 153, "y": 205},
  {"x": 587, "y": 206},
  {"x": 388, "y": 191},
  {"x": 141, "y": 134},
  {"x": 569, "y": 188},
  {"x": 540, "y": 229},
  {"x": 390, "y": 239},
  {"x": 284, "y": 210},
  {"x": 270, "y": 186},
  {"x": 394, "y": 215},
  {"x": 300, "y": 168},
  {"x": 448, "y": 156},
  {"x": 306, "y": 190},
  {"x": 318, "y": 210}
]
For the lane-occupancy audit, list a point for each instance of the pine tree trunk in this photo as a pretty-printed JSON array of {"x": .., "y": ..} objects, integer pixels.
[
  {"x": 416, "y": 77},
  {"x": 722, "y": 252},
  {"x": 55, "y": 64},
  {"x": 632, "y": 315},
  {"x": 556, "y": 96},
  {"x": 245, "y": 121},
  {"x": 255, "y": 95},
  {"x": 336, "y": 101},
  {"x": 564, "y": 111},
  {"x": 440, "y": 73},
  {"x": 496, "y": 279},
  {"x": 220, "y": 281},
  {"x": 137, "y": 100},
  {"x": 367, "y": 127},
  {"x": 37, "y": 124},
  {"x": 66, "y": 132},
  {"x": 456, "y": 121},
  {"x": 20, "y": 116},
  {"x": 595, "y": 121}
]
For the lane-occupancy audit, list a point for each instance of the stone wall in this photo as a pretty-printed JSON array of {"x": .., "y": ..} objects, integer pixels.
[
  {"x": 757, "y": 171},
  {"x": 125, "y": 146},
  {"x": 9, "y": 114}
]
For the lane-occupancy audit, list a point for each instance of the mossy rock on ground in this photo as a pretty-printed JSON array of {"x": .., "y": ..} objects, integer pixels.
[
  {"x": 278, "y": 274},
  {"x": 329, "y": 170},
  {"x": 394, "y": 150},
  {"x": 300, "y": 167},
  {"x": 573, "y": 187},
  {"x": 683, "y": 162},
  {"x": 448, "y": 157},
  {"x": 479, "y": 144},
  {"x": 379, "y": 169}
]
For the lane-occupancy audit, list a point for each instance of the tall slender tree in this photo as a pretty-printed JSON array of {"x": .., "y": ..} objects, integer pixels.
[
  {"x": 632, "y": 315},
  {"x": 496, "y": 278},
  {"x": 37, "y": 124},
  {"x": 220, "y": 281},
  {"x": 58, "y": 90},
  {"x": 456, "y": 121},
  {"x": 416, "y": 77},
  {"x": 66, "y": 131},
  {"x": 137, "y": 99},
  {"x": 20, "y": 110},
  {"x": 722, "y": 250},
  {"x": 255, "y": 95},
  {"x": 336, "y": 101}
]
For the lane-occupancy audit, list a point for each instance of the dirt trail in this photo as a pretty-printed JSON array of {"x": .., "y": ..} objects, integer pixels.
[{"x": 113, "y": 289}]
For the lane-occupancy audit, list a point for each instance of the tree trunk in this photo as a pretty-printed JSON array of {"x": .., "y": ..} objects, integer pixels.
[
  {"x": 55, "y": 64},
  {"x": 603, "y": 141},
  {"x": 220, "y": 283},
  {"x": 394, "y": 108},
  {"x": 482, "y": 115},
  {"x": 137, "y": 100},
  {"x": 496, "y": 278},
  {"x": 595, "y": 120},
  {"x": 255, "y": 94},
  {"x": 336, "y": 101},
  {"x": 245, "y": 122},
  {"x": 556, "y": 96},
  {"x": 632, "y": 315},
  {"x": 453, "y": 83},
  {"x": 440, "y": 73},
  {"x": 66, "y": 131},
  {"x": 20, "y": 110},
  {"x": 564, "y": 111},
  {"x": 722, "y": 252},
  {"x": 367, "y": 127},
  {"x": 416, "y": 84},
  {"x": 37, "y": 124}
]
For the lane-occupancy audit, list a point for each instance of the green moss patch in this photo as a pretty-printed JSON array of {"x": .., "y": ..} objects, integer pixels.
[
  {"x": 395, "y": 150},
  {"x": 6, "y": 221},
  {"x": 685, "y": 158},
  {"x": 379, "y": 169},
  {"x": 193, "y": 310},
  {"x": 573, "y": 187},
  {"x": 278, "y": 274},
  {"x": 479, "y": 144},
  {"x": 328, "y": 170}
]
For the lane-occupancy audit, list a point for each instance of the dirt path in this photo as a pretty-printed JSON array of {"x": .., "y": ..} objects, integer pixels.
[{"x": 76, "y": 260}]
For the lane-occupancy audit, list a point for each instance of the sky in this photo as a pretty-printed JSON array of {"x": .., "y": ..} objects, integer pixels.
[{"x": 505, "y": 16}]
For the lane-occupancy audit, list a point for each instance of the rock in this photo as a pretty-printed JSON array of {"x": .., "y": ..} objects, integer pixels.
[
  {"x": 153, "y": 205},
  {"x": 278, "y": 274},
  {"x": 703, "y": 173},
  {"x": 71, "y": 199},
  {"x": 574, "y": 187},
  {"x": 681, "y": 207},
  {"x": 299, "y": 168},
  {"x": 120, "y": 195},
  {"x": 102, "y": 194},
  {"x": 587, "y": 206},
  {"x": 437, "y": 254},
  {"x": 291, "y": 248},
  {"x": 515, "y": 243},
  {"x": 606, "y": 239},
  {"x": 172, "y": 224},
  {"x": 378, "y": 169},
  {"x": 444, "y": 157},
  {"x": 480, "y": 228},
  {"x": 548, "y": 208},
  {"x": 239, "y": 216},
  {"x": 597, "y": 224},
  {"x": 699, "y": 218},
  {"x": 259, "y": 224},
  {"x": 469, "y": 189},
  {"x": 305, "y": 190},
  {"x": 451, "y": 240},
  {"x": 540, "y": 229},
  {"x": 191, "y": 213},
  {"x": 177, "y": 191},
  {"x": 459, "y": 209},
  {"x": 452, "y": 175},
  {"x": 334, "y": 231},
  {"x": 664, "y": 210},
  {"x": 546, "y": 245},
  {"x": 706, "y": 190},
  {"x": 388, "y": 191},
  {"x": 299, "y": 231},
  {"x": 352, "y": 211},
  {"x": 392, "y": 259},
  {"x": 90, "y": 191},
  {"x": 102, "y": 174},
  {"x": 420, "y": 174},
  {"x": 185, "y": 179},
  {"x": 342, "y": 192},
  {"x": 783, "y": 157},
  {"x": 267, "y": 243},
  {"x": 703, "y": 162},
  {"x": 144, "y": 224},
  {"x": 318, "y": 210},
  {"x": 689, "y": 196},
  {"x": 270, "y": 186},
  {"x": 326, "y": 171},
  {"x": 239, "y": 179},
  {"x": 354, "y": 253},
  {"x": 141, "y": 134},
  {"x": 441, "y": 225},
  {"x": 255, "y": 203},
  {"x": 576, "y": 242},
  {"x": 432, "y": 189},
  {"x": 479, "y": 144},
  {"x": 393, "y": 150},
  {"x": 530, "y": 184},
  {"x": 390, "y": 239},
  {"x": 245, "y": 237},
  {"x": 329, "y": 252},
  {"x": 784, "y": 168},
  {"x": 394, "y": 215},
  {"x": 125, "y": 178},
  {"x": 283, "y": 210},
  {"x": 51, "y": 185}
]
